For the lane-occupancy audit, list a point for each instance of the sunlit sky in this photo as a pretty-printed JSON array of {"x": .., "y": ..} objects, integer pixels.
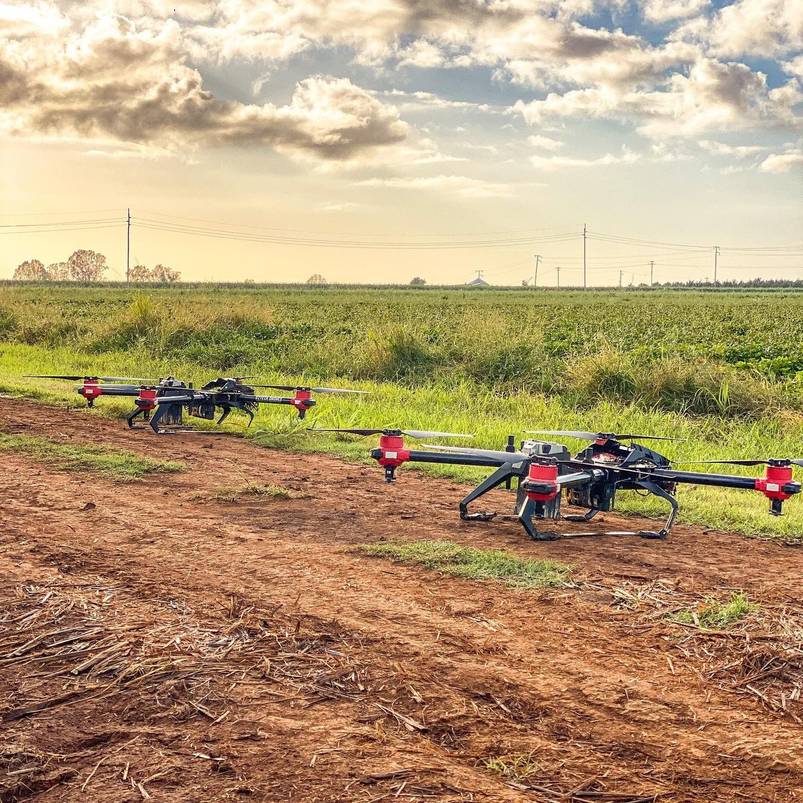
[{"x": 249, "y": 138}]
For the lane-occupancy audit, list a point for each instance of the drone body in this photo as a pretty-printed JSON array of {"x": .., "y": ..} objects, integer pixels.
[
  {"x": 164, "y": 403},
  {"x": 546, "y": 476}
]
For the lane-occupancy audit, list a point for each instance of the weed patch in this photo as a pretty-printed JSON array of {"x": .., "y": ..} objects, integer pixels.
[
  {"x": 116, "y": 464},
  {"x": 255, "y": 491},
  {"x": 474, "y": 564},
  {"x": 518, "y": 767},
  {"x": 715, "y": 615}
]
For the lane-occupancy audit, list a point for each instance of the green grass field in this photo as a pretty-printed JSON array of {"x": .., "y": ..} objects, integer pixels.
[
  {"x": 723, "y": 371},
  {"x": 116, "y": 464}
]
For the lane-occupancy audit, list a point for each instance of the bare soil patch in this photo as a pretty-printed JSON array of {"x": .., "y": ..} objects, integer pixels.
[{"x": 156, "y": 647}]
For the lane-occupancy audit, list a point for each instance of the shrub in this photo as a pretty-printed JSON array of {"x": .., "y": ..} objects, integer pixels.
[{"x": 396, "y": 354}]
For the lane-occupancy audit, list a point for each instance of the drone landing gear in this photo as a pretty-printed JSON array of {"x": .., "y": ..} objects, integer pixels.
[
  {"x": 140, "y": 411},
  {"x": 587, "y": 516},
  {"x": 656, "y": 489},
  {"x": 525, "y": 516},
  {"x": 525, "y": 508},
  {"x": 504, "y": 473}
]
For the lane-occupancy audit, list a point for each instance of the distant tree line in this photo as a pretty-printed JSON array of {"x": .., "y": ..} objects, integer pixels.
[
  {"x": 88, "y": 266},
  {"x": 739, "y": 283},
  {"x": 158, "y": 273}
]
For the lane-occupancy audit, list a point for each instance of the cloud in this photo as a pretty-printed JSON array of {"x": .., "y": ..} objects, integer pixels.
[
  {"x": 739, "y": 151},
  {"x": 544, "y": 143},
  {"x": 714, "y": 96},
  {"x": 132, "y": 71},
  {"x": 558, "y": 162},
  {"x": 782, "y": 162},
  {"x": 115, "y": 80},
  {"x": 345, "y": 206},
  {"x": 764, "y": 28},
  {"x": 668, "y": 10},
  {"x": 461, "y": 186}
]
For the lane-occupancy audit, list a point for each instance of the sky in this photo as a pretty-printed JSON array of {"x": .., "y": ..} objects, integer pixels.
[{"x": 378, "y": 140}]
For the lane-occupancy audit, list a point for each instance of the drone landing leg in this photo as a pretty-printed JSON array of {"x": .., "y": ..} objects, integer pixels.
[
  {"x": 154, "y": 422},
  {"x": 130, "y": 418},
  {"x": 497, "y": 478},
  {"x": 659, "y": 491},
  {"x": 587, "y": 516},
  {"x": 525, "y": 515},
  {"x": 224, "y": 415}
]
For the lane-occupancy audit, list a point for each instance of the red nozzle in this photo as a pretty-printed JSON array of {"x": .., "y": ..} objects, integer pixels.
[
  {"x": 541, "y": 484},
  {"x": 146, "y": 399}
]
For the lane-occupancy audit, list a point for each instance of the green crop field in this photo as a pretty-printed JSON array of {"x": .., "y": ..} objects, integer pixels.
[{"x": 723, "y": 371}]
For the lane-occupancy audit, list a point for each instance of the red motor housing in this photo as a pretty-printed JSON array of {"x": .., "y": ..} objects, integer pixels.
[
  {"x": 773, "y": 485},
  {"x": 392, "y": 452},
  {"x": 146, "y": 399},
  {"x": 302, "y": 401},
  {"x": 90, "y": 390},
  {"x": 773, "y": 481},
  {"x": 541, "y": 484}
]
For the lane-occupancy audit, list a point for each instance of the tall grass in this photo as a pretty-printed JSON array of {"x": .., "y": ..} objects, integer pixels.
[{"x": 495, "y": 363}]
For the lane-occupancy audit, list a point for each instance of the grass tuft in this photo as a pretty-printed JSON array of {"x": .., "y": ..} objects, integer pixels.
[
  {"x": 115, "y": 464},
  {"x": 474, "y": 564},
  {"x": 714, "y": 615},
  {"x": 253, "y": 489},
  {"x": 518, "y": 767}
]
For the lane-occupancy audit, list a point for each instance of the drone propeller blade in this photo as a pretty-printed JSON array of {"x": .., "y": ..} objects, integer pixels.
[
  {"x": 311, "y": 389},
  {"x": 55, "y": 376},
  {"x": 413, "y": 433},
  {"x": 423, "y": 433},
  {"x": 568, "y": 433},
  {"x": 352, "y": 431},
  {"x": 76, "y": 378},
  {"x": 594, "y": 436},
  {"x": 782, "y": 460},
  {"x": 133, "y": 379},
  {"x": 493, "y": 454},
  {"x": 339, "y": 390}
]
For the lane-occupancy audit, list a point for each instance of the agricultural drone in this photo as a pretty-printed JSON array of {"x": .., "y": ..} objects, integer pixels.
[
  {"x": 546, "y": 474},
  {"x": 163, "y": 403}
]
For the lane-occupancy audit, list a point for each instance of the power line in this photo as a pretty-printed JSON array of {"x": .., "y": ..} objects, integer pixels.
[
  {"x": 58, "y": 223},
  {"x": 148, "y": 223}
]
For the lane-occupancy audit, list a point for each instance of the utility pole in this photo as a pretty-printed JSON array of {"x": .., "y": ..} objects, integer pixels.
[
  {"x": 557, "y": 268},
  {"x": 128, "y": 249},
  {"x": 535, "y": 275},
  {"x": 620, "y": 278},
  {"x": 585, "y": 232},
  {"x": 652, "y": 271},
  {"x": 716, "y": 257}
]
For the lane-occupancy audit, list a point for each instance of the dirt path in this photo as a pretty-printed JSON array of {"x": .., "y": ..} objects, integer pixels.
[{"x": 218, "y": 651}]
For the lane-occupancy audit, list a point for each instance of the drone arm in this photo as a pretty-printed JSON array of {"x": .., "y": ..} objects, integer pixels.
[
  {"x": 266, "y": 399},
  {"x": 701, "y": 478},
  {"x": 777, "y": 484},
  {"x": 577, "y": 478},
  {"x": 302, "y": 401},
  {"x": 454, "y": 458},
  {"x": 119, "y": 390},
  {"x": 392, "y": 453}
]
